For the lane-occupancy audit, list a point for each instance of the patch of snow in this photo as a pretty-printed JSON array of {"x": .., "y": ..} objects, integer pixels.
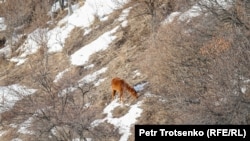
[
  {"x": 219, "y": 4},
  {"x": 78, "y": 139},
  {"x": 196, "y": 10},
  {"x": 86, "y": 79},
  {"x": 92, "y": 77},
  {"x": 87, "y": 105},
  {"x": 54, "y": 39},
  {"x": 123, "y": 16},
  {"x": 81, "y": 17},
  {"x": 123, "y": 123},
  {"x": 26, "y": 124},
  {"x": 54, "y": 130},
  {"x": 97, "y": 83},
  {"x": 89, "y": 66},
  {"x": 243, "y": 89},
  {"x": 2, "y": 25},
  {"x": 56, "y": 6},
  {"x": 60, "y": 74},
  {"x": 30, "y": 46},
  {"x": 85, "y": 15},
  {"x": 18, "y": 61},
  {"x": 12, "y": 125},
  {"x": 150, "y": 95},
  {"x": 124, "y": 23},
  {"x": 2, "y": 133},
  {"x": 246, "y": 81},
  {"x": 244, "y": 85},
  {"x": 33, "y": 42},
  {"x": 9, "y": 95},
  {"x": 66, "y": 90},
  {"x": 171, "y": 17},
  {"x": 140, "y": 87},
  {"x": 16, "y": 139},
  {"x": 193, "y": 12},
  {"x": 57, "y": 37},
  {"x": 87, "y": 31},
  {"x": 81, "y": 56},
  {"x": 6, "y": 51},
  {"x": 136, "y": 73}
]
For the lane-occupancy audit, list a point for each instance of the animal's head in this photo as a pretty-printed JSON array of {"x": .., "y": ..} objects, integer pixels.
[{"x": 135, "y": 94}]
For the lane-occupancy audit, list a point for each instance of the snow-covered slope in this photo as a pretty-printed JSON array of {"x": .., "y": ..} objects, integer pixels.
[{"x": 83, "y": 17}]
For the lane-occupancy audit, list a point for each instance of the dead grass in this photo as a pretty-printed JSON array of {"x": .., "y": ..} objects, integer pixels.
[
  {"x": 215, "y": 46},
  {"x": 155, "y": 112},
  {"x": 121, "y": 54},
  {"x": 10, "y": 74},
  {"x": 6, "y": 68},
  {"x": 60, "y": 15},
  {"x": 77, "y": 39},
  {"x": 8, "y": 135},
  {"x": 62, "y": 61},
  {"x": 74, "y": 41},
  {"x": 121, "y": 58},
  {"x": 120, "y": 111},
  {"x": 106, "y": 131},
  {"x": 246, "y": 96},
  {"x": 35, "y": 64}
]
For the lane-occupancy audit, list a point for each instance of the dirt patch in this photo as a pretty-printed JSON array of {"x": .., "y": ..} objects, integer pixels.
[{"x": 120, "y": 111}]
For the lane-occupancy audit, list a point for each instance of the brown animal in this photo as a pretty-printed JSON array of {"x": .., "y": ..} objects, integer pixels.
[{"x": 119, "y": 85}]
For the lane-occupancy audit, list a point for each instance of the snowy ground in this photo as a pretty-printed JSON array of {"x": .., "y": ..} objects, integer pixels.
[
  {"x": 99, "y": 44},
  {"x": 9, "y": 95},
  {"x": 86, "y": 79},
  {"x": 2, "y": 25},
  {"x": 122, "y": 123},
  {"x": 82, "y": 17}
]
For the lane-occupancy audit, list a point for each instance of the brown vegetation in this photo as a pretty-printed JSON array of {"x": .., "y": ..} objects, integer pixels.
[
  {"x": 195, "y": 65},
  {"x": 196, "y": 70}
]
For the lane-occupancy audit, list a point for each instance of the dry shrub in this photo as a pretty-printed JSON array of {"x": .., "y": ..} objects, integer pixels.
[
  {"x": 8, "y": 135},
  {"x": 74, "y": 40},
  {"x": 195, "y": 63},
  {"x": 3, "y": 63},
  {"x": 24, "y": 16},
  {"x": 2, "y": 40},
  {"x": 105, "y": 131},
  {"x": 60, "y": 15},
  {"x": 120, "y": 111},
  {"x": 155, "y": 113},
  {"x": 215, "y": 46},
  {"x": 160, "y": 57}
]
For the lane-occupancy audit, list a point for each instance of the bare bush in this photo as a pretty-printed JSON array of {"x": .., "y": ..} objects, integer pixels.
[
  {"x": 203, "y": 62},
  {"x": 22, "y": 17}
]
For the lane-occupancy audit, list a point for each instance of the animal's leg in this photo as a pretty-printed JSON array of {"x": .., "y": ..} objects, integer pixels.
[
  {"x": 113, "y": 94},
  {"x": 121, "y": 96}
]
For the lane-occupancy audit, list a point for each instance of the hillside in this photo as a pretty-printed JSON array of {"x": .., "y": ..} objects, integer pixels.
[{"x": 187, "y": 60}]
